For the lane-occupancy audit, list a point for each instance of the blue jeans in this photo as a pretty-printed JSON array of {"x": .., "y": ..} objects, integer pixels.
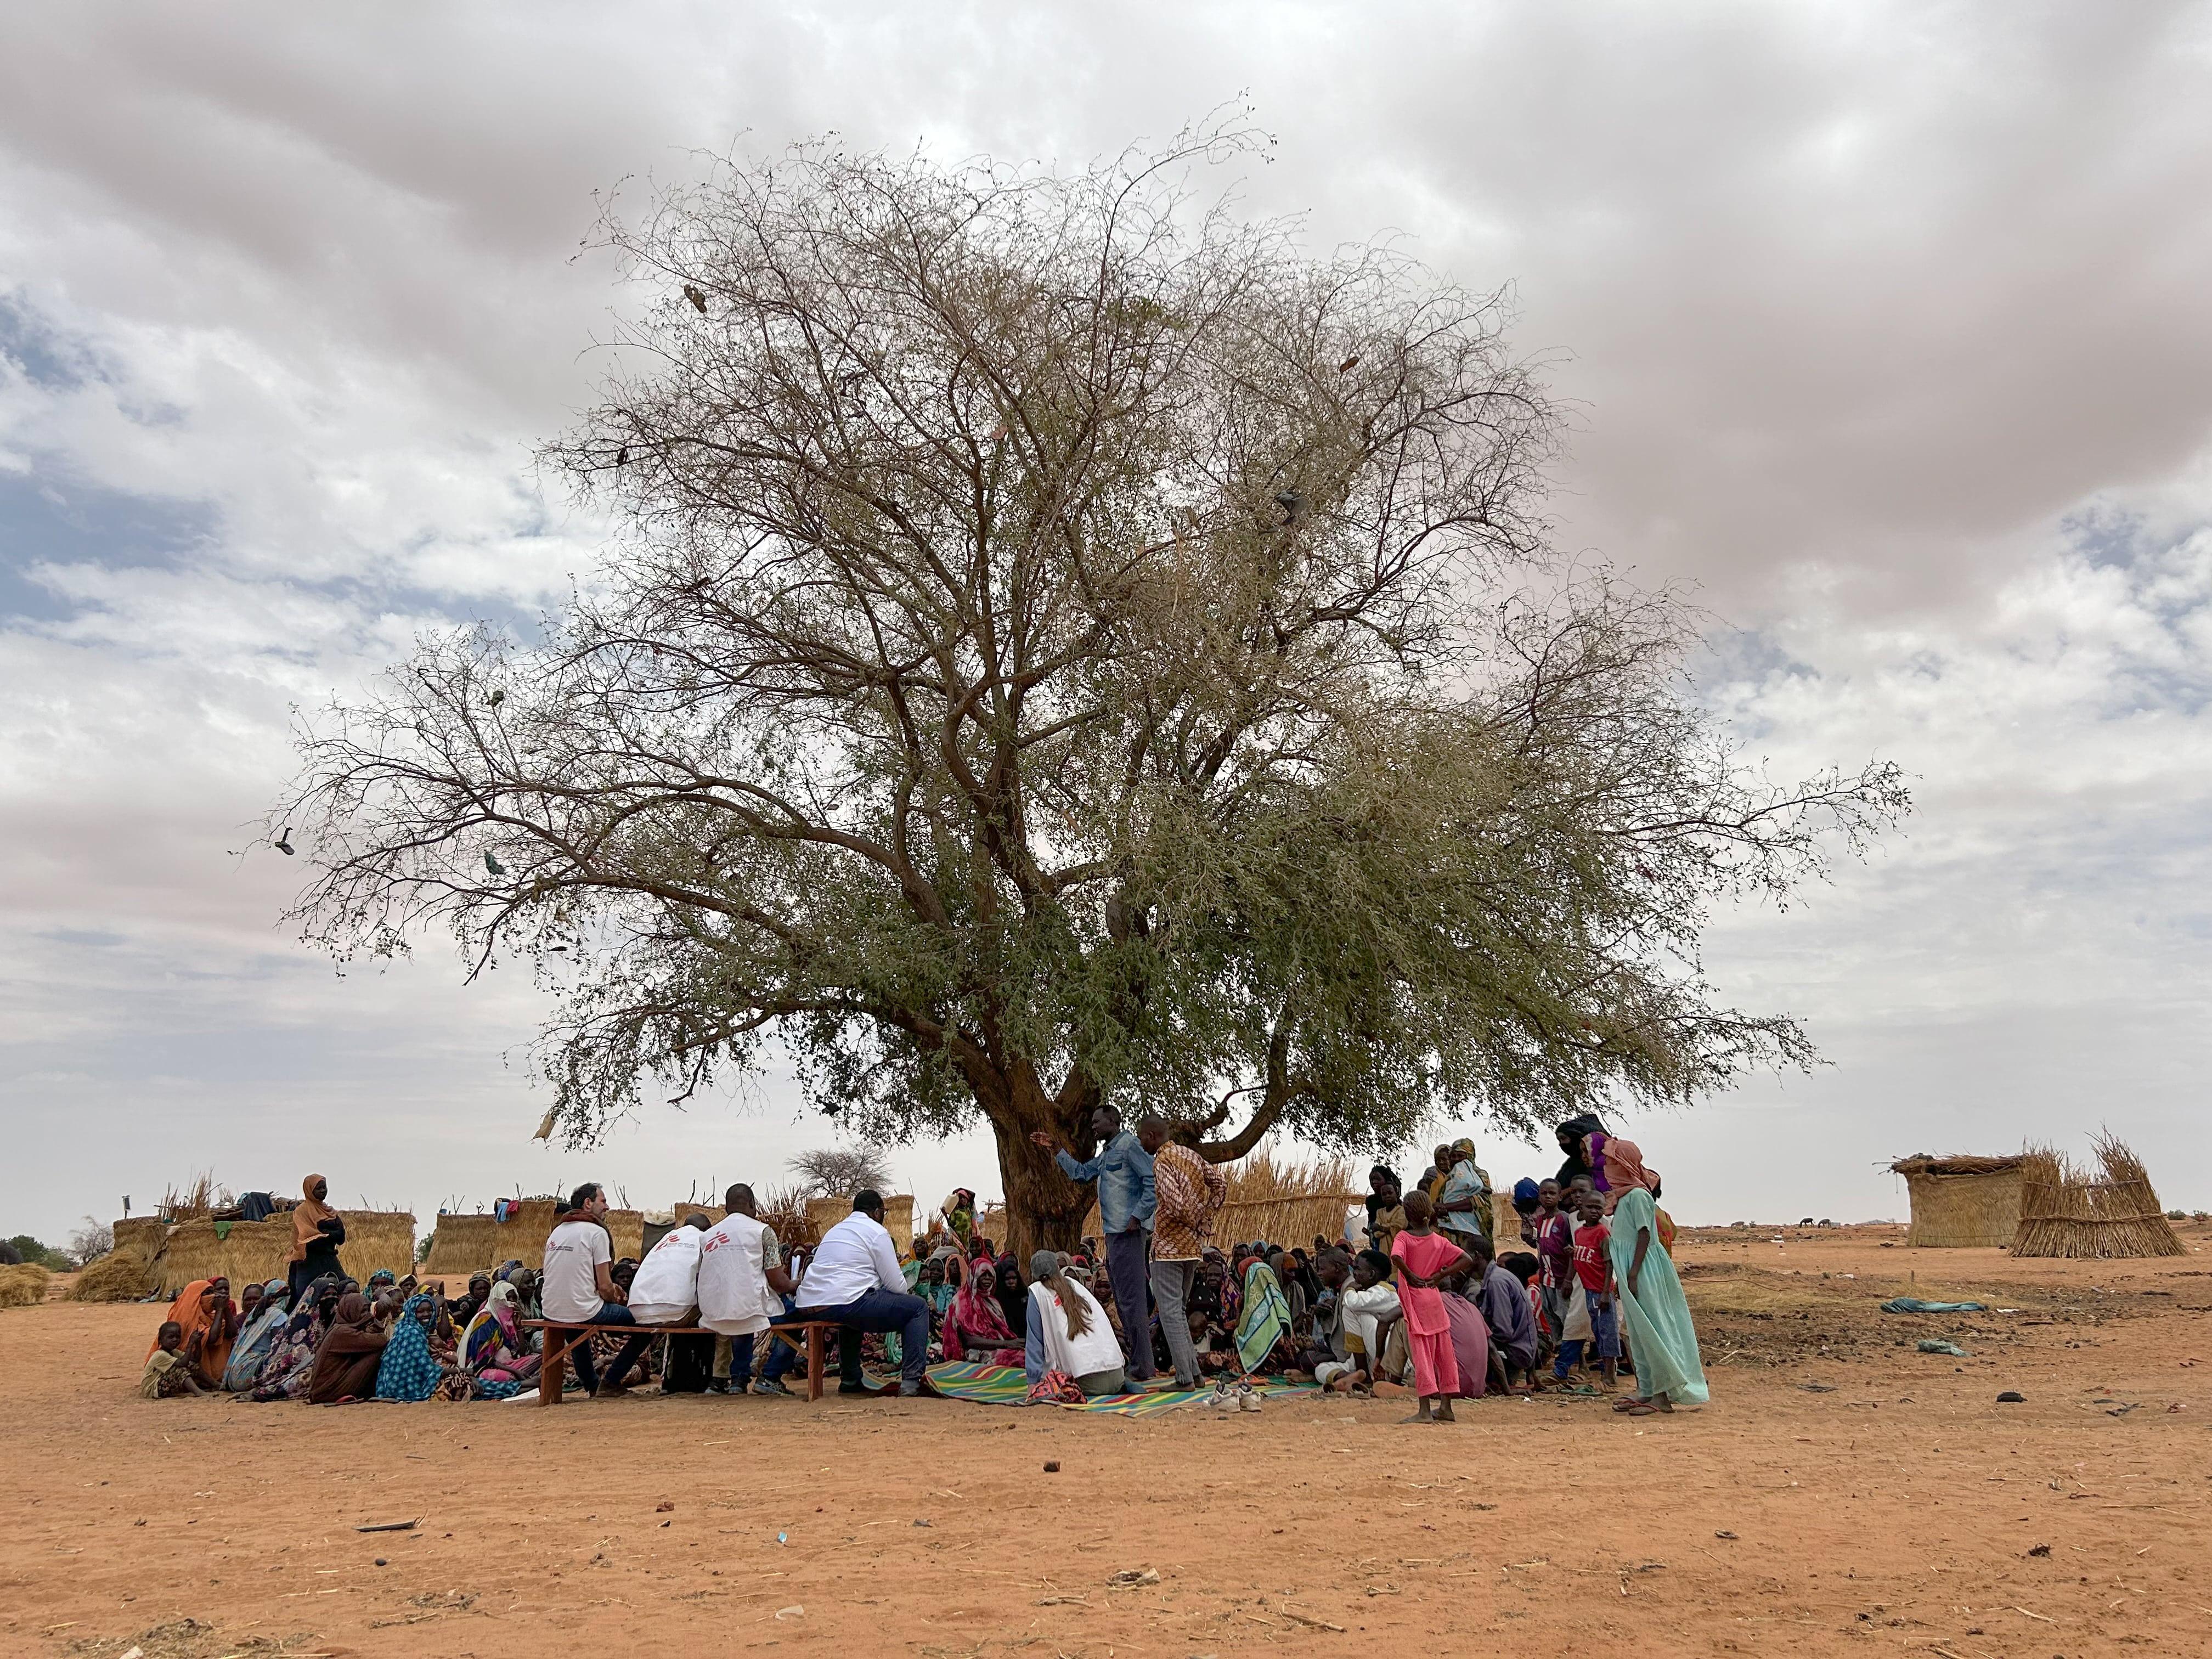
[
  {"x": 612, "y": 1314},
  {"x": 781, "y": 1356},
  {"x": 877, "y": 1311}
]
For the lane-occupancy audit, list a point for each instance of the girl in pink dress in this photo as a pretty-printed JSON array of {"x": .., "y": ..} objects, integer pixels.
[{"x": 1423, "y": 1256}]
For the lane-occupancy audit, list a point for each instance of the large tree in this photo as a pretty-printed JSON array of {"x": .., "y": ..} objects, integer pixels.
[{"x": 1062, "y": 643}]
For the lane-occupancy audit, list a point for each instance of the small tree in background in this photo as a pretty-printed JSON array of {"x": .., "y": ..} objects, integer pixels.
[
  {"x": 839, "y": 1172},
  {"x": 1063, "y": 644},
  {"x": 89, "y": 1242}
]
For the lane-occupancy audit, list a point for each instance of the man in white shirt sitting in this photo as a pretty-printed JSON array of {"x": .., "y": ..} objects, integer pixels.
[
  {"x": 579, "y": 1287},
  {"x": 742, "y": 1286},
  {"x": 854, "y": 1279}
]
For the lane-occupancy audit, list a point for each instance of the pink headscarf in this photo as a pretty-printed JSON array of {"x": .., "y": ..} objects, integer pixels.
[{"x": 1623, "y": 1168}]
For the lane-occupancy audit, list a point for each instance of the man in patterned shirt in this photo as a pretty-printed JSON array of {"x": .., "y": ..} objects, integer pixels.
[{"x": 1189, "y": 1191}]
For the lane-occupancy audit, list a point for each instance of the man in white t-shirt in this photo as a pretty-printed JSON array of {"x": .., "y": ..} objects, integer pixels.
[
  {"x": 579, "y": 1290},
  {"x": 854, "y": 1279}
]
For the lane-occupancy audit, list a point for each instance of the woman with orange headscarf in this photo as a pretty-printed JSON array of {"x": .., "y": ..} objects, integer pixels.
[
  {"x": 317, "y": 1233},
  {"x": 208, "y": 1319}
]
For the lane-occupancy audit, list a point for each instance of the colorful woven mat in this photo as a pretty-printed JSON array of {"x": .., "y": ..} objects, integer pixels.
[{"x": 1006, "y": 1385}]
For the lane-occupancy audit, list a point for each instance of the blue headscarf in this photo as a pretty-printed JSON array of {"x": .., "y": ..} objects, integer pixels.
[{"x": 407, "y": 1371}]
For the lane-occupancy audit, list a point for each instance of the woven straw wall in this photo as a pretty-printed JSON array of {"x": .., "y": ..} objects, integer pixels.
[
  {"x": 1964, "y": 1211},
  {"x": 244, "y": 1250},
  {"x": 824, "y": 1213}
]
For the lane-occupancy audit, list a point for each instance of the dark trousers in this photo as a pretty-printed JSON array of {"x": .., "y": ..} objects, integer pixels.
[
  {"x": 877, "y": 1311},
  {"x": 1125, "y": 1267},
  {"x": 611, "y": 1314},
  {"x": 779, "y": 1358}
]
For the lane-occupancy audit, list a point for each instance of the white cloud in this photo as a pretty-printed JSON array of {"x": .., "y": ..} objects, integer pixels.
[{"x": 1885, "y": 325}]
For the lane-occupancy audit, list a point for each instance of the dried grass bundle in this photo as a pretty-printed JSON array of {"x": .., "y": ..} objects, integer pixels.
[
  {"x": 201, "y": 1198},
  {"x": 125, "y": 1273},
  {"x": 784, "y": 1209},
  {"x": 23, "y": 1284},
  {"x": 2066, "y": 1210}
]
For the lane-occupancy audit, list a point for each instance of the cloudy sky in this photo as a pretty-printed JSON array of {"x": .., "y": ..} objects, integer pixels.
[{"x": 1888, "y": 325}]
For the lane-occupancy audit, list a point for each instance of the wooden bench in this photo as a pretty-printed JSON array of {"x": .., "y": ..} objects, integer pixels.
[{"x": 805, "y": 1337}]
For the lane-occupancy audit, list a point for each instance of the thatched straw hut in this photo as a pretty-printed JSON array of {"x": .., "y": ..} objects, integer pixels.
[
  {"x": 142, "y": 1232},
  {"x": 23, "y": 1284},
  {"x": 245, "y": 1250},
  {"x": 2066, "y": 1210},
  {"x": 1961, "y": 1203},
  {"x": 471, "y": 1243}
]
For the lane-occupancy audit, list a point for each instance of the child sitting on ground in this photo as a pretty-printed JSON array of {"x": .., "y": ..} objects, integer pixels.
[
  {"x": 168, "y": 1374},
  {"x": 1505, "y": 1303},
  {"x": 1592, "y": 1323},
  {"x": 1371, "y": 1308}
]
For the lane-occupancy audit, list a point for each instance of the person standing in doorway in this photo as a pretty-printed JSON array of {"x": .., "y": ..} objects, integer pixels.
[
  {"x": 1188, "y": 1192},
  {"x": 1123, "y": 1170}
]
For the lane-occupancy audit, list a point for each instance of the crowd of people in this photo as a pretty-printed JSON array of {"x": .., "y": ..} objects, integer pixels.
[{"x": 1422, "y": 1298}]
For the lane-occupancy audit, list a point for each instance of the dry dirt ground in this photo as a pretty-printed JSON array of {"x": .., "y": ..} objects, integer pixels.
[{"x": 1844, "y": 1494}]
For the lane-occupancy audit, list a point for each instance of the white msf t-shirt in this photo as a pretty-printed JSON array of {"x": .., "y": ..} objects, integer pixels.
[
  {"x": 667, "y": 1283},
  {"x": 574, "y": 1250}
]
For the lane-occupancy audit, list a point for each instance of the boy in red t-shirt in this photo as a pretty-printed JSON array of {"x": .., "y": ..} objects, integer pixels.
[{"x": 1593, "y": 1294}]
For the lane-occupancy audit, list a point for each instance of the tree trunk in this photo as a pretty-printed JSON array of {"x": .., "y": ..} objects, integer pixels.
[{"x": 1044, "y": 1208}]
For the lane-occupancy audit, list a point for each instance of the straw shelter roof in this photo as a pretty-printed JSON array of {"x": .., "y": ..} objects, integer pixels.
[
  {"x": 1921, "y": 1164},
  {"x": 2069, "y": 1210},
  {"x": 1964, "y": 1202}
]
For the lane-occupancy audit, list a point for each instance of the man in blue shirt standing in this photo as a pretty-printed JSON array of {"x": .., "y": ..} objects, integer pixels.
[{"x": 1123, "y": 1170}]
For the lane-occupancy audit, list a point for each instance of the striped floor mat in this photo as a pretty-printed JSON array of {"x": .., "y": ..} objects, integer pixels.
[{"x": 1006, "y": 1385}]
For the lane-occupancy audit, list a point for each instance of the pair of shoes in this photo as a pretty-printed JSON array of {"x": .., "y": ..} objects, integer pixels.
[
  {"x": 910, "y": 1390},
  {"x": 1247, "y": 1398},
  {"x": 770, "y": 1387}
]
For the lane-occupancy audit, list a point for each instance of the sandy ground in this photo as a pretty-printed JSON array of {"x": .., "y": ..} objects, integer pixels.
[{"x": 1843, "y": 1493}]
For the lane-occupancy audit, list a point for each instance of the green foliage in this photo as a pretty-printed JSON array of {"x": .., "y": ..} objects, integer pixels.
[{"x": 36, "y": 1254}]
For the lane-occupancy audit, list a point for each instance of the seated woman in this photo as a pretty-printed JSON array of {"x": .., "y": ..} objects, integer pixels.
[
  {"x": 347, "y": 1360},
  {"x": 1264, "y": 1343},
  {"x": 495, "y": 1352},
  {"x": 260, "y": 1338},
  {"x": 209, "y": 1323},
  {"x": 976, "y": 1327},
  {"x": 410, "y": 1369},
  {"x": 291, "y": 1363},
  {"x": 1068, "y": 1333}
]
